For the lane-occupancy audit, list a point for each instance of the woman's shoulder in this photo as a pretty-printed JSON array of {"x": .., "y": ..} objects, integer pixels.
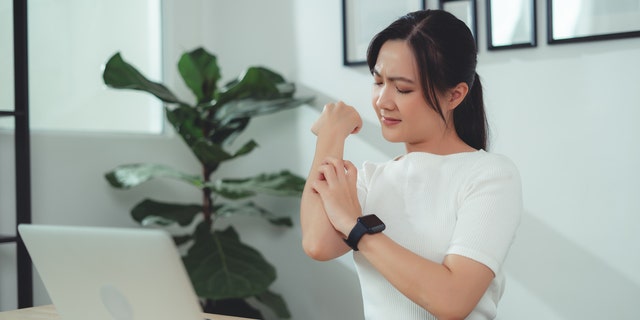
[
  {"x": 471, "y": 164},
  {"x": 495, "y": 167},
  {"x": 495, "y": 160},
  {"x": 477, "y": 160}
]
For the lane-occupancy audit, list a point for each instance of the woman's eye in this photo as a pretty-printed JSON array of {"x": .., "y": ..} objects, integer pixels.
[{"x": 403, "y": 91}]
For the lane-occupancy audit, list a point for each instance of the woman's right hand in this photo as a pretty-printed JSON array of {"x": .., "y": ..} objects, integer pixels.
[{"x": 339, "y": 118}]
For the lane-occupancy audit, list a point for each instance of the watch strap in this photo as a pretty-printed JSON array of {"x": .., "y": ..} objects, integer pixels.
[
  {"x": 367, "y": 224},
  {"x": 358, "y": 231}
]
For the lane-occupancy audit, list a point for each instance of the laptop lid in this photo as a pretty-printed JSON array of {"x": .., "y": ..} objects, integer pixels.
[{"x": 104, "y": 273}]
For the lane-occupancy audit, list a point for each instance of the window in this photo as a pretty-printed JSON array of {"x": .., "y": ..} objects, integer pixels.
[{"x": 69, "y": 43}]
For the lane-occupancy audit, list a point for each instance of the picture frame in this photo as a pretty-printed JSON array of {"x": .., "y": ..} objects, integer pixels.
[
  {"x": 464, "y": 10},
  {"x": 511, "y": 24},
  {"x": 362, "y": 19},
  {"x": 591, "y": 20}
]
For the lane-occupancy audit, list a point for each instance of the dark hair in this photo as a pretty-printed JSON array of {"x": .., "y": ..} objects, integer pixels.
[{"x": 446, "y": 55}]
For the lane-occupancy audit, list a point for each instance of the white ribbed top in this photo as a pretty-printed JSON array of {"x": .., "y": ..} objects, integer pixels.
[{"x": 467, "y": 204}]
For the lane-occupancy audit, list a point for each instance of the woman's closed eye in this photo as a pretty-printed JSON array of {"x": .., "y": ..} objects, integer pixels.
[
  {"x": 404, "y": 91},
  {"x": 398, "y": 89}
]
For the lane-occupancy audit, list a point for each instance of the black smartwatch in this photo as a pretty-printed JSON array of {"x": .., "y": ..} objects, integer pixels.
[{"x": 368, "y": 224}]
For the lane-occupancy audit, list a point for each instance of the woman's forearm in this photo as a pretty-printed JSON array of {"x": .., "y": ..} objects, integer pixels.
[
  {"x": 448, "y": 290},
  {"x": 320, "y": 240}
]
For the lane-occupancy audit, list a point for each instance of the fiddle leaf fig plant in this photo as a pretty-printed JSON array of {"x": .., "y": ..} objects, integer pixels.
[{"x": 220, "y": 265}]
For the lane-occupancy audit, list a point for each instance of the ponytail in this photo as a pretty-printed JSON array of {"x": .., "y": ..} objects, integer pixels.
[{"x": 469, "y": 118}]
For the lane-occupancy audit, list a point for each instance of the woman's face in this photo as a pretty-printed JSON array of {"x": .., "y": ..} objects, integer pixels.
[{"x": 398, "y": 100}]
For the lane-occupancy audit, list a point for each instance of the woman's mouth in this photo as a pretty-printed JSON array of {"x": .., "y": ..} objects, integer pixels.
[{"x": 389, "y": 121}]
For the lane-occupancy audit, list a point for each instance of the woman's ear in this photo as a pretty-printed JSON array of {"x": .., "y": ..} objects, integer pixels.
[{"x": 456, "y": 95}]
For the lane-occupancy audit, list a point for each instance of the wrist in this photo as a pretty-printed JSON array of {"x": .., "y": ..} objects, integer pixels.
[
  {"x": 368, "y": 224},
  {"x": 332, "y": 135},
  {"x": 348, "y": 227},
  {"x": 328, "y": 146}
]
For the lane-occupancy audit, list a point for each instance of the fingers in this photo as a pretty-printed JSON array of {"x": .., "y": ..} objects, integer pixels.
[
  {"x": 321, "y": 184},
  {"x": 329, "y": 170},
  {"x": 338, "y": 117},
  {"x": 336, "y": 170},
  {"x": 350, "y": 113},
  {"x": 351, "y": 172},
  {"x": 326, "y": 176},
  {"x": 335, "y": 173}
]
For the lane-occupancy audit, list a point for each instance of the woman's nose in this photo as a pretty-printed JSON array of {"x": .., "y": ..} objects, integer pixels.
[{"x": 383, "y": 100}]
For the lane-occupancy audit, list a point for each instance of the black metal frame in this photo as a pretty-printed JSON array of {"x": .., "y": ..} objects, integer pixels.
[
  {"x": 534, "y": 31},
  {"x": 598, "y": 37},
  {"x": 22, "y": 151}
]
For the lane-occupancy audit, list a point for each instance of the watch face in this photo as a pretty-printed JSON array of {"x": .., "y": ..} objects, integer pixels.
[{"x": 372, "y": 222}]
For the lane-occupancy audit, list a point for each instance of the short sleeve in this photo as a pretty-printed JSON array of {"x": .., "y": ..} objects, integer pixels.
[
  {"x": 364, "y": 180},
  {"x": 490, "y": 209}
]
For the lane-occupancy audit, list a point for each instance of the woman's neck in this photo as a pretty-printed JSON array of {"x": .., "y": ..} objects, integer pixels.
[{"x": 448, "y": 144}]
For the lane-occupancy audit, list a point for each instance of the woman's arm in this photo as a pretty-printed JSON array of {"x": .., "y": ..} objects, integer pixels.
[
  {"x": 320, "y": 240},
  {"x": 450, "y": 289}
]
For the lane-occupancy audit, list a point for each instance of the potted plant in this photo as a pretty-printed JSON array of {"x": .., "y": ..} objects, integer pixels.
[{"x": 224, "y": 271}]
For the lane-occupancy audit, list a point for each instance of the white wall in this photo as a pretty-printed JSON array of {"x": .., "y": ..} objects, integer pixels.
[
  {"x": 563, "y": 113},
  {"x": 566, "y": 115}
]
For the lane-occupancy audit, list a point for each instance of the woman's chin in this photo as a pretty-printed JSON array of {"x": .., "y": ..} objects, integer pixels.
[{"x": 391, "y": 137}]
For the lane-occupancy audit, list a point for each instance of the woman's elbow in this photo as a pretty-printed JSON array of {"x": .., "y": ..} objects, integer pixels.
[
  {"x": 324, "y": 250},
  {"x": 449, "y": 313},
  {"x": 452, "y": 317},
  {"x": 447, "y": 309},
  {"x": 315, "y": 250}
]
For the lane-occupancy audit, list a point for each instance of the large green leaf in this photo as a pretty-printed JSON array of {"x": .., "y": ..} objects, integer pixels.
[
  {"x": 221, "y": 267},
  {"x": 212, "y": 154},
  {"x": 187, "y": 122},
  {"x": 276, "y": 303},
  {"x": 131, "y": 175},
  {"x": 121, "y": 75},
  {"x": 258, "y": 91},
  {"x": 157, "y": 211},
  {"x": 250, "y": 208},
  {"x": 283, "y": 183},
  {"x": 200, "y": 72},
  {"x": 247, "y": 108},
  {"x": 255, "y": 82},
  {"x": 225, "y": 134}
]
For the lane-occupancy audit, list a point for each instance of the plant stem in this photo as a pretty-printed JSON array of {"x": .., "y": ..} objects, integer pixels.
[{"x": 207, "y": 202}]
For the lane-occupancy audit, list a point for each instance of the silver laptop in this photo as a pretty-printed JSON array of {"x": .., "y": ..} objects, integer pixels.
[{"x": 111, "y": 273}]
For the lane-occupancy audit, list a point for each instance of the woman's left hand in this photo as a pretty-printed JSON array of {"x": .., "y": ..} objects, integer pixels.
[{"x": 336, "y": 184}]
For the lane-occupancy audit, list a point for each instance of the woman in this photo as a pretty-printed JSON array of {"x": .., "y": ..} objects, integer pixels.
[{"x": 431, "y": 228}]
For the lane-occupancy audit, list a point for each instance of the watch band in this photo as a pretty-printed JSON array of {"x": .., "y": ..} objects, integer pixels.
[
  {"x": 368, "y": 224},
  {"x": 355, "y": 235}
]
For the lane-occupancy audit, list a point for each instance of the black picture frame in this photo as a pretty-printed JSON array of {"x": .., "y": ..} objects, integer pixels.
[
  {"x": 362, "y": 19},
  {"x": 514, "y": 27},
  {"x": 456, "y": 7},
  {"x": 594, "y": 14}
]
